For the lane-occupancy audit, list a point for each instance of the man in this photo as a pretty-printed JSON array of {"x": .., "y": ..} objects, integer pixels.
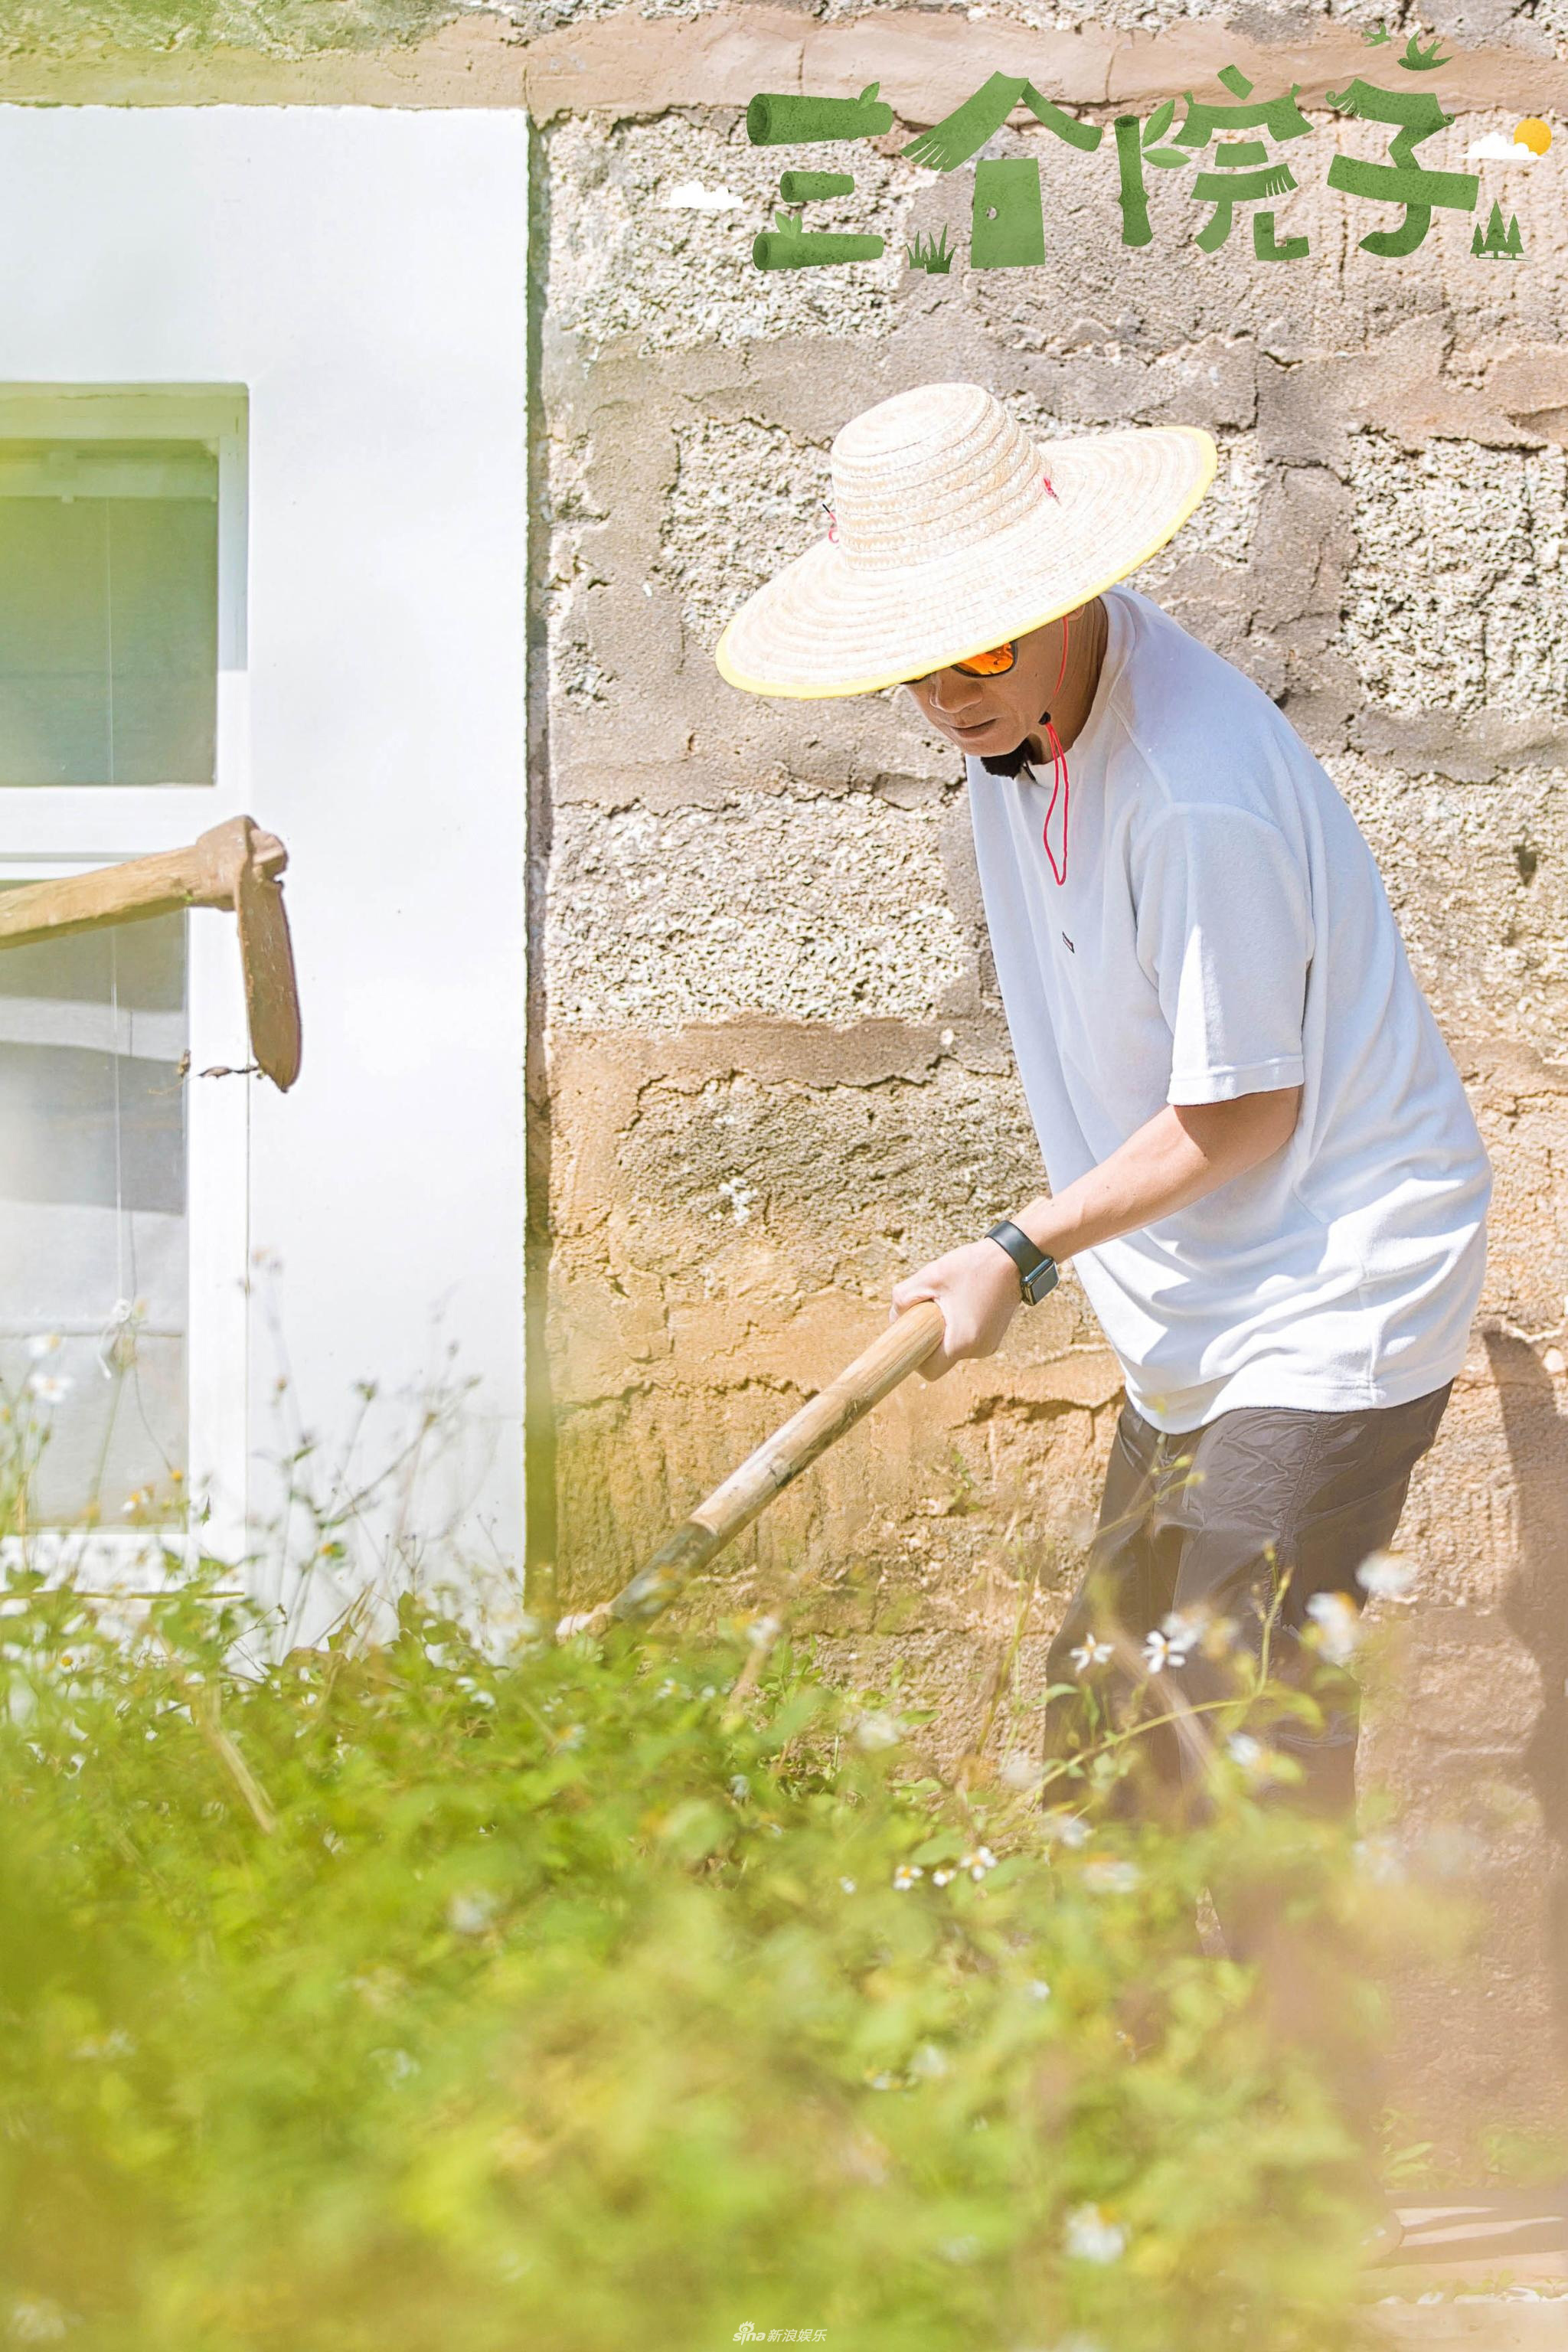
[{"x": 1262, "y": 1161}]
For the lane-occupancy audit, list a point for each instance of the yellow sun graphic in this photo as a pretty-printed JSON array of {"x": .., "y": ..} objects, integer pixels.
[{"x": 1532, "y": 133}]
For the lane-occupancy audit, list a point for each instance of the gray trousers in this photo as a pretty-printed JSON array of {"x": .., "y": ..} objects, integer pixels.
[{"x": 1213, "y": 1521}]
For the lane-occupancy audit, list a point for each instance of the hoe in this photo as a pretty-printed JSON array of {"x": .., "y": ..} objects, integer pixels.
[
  {"x": 233, "y": 866},
  {"x": 774, "y": 1465}
]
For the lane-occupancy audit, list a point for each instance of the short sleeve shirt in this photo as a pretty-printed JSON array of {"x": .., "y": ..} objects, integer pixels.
[{"x": 1220, "y": 928}]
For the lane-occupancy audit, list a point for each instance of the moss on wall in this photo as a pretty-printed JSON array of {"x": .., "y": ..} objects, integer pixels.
[{"x": 277, "y": 28}]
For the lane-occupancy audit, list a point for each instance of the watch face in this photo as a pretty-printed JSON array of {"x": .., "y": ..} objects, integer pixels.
[{"x": 1039, "y": 1284}]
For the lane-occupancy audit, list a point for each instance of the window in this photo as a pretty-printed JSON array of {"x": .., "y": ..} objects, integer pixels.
[
  {"x": 108, "y": 612},
  {"x": 123, "y": 1186},
  {"x": 93, "y": 1230}
]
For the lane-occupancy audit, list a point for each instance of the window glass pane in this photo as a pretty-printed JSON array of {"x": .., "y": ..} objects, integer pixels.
[
  {"x": 93, "y": 1212},
  {"x": 108, "y": 612}
]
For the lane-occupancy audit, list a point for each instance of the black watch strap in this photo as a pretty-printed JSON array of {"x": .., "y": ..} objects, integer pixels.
[{"x": 1037, "y": 1274}]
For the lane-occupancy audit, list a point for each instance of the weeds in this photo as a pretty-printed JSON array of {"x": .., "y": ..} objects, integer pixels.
[{"x": 441, "y": 1983}]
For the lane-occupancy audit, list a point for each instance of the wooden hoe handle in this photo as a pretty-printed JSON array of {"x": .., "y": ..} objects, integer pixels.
[
  {"x": 234, "y": 866},
  {"x": 774, "y": 1465},
  {"x": 205, "y": 874}
]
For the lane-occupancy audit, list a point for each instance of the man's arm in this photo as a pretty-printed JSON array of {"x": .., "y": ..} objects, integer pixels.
[{"x": 1184, "y": 1152}]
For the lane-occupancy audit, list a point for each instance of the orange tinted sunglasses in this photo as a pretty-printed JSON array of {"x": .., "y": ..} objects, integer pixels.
[{"x": 994, "y": 664}]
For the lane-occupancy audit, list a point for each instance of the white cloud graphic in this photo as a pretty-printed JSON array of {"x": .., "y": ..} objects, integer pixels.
[{"x": 1495, "y": 148}]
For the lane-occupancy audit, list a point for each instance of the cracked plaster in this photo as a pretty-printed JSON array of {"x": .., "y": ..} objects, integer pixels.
[{"x": 848, "y": 1185}]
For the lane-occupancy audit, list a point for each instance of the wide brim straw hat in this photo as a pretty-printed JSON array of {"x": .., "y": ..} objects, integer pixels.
[{"x": 951, "y": 530}]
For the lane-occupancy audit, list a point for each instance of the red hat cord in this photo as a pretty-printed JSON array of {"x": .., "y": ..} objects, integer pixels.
[{"x": 1061, "y": 784}]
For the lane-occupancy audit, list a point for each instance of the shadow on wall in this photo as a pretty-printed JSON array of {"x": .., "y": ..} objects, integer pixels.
[{"x": 1534, "y": 1604}]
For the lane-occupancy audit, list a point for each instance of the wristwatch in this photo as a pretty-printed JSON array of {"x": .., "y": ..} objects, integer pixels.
[{"x": 1037, "y": 1274}]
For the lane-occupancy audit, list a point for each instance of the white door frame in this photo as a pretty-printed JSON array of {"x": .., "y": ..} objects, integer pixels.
[{"x": 362, "y": 272}]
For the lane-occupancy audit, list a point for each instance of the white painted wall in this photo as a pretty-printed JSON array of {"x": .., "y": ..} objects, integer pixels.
[{"x": 362, "y": 272}]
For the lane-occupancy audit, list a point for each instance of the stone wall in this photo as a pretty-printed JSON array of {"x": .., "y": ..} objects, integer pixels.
[{"x": 776, "y": 1072}]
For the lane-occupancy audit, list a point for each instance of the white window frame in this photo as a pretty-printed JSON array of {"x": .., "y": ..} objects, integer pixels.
[{"x": 47, "y": 831}]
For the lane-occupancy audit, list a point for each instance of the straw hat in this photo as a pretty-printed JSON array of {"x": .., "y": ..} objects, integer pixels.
[{"x": 952, "y": 531}]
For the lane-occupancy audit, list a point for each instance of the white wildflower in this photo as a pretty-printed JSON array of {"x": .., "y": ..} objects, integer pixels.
[
  {"x": 50, "y": 1388},
  {"x": 470, "y": 1913},
  {"x": 1021, "y": 1771},
  {"x": 1091, "y": 1652},
  {"x": 1379, "y": 1860},
  {"x": 1091, "y": 2238},
  {"x": 36, "y": 2320},
  {"x": 1108, "y": 1875},
  {"x": 1162, "y": 1654},
  {"x": 1339, "y": 1627},
  {"x": 763, "y": 1629},
  {"x": 1387, "y": 1576},
  {"x": 906, "y": 1875},
  {"x": 929, "y": 2063},
  {"x": 848, "y": 1884},
  {"x": 877, "y": 1730},
  {"x": 1250, "y": 1754},
  {"x": 1037, "y": 1988},
  {"x": 942, "y": 1877},
  {"x": 1183, "y": 1629},
  {"x": 116, "y": 2043},
  {"x": 1066, "y": 1829},
  {"x": 42, "y": 1344}
]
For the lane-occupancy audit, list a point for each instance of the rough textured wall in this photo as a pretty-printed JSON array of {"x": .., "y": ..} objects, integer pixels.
[{"x": 777, "y": 1071}]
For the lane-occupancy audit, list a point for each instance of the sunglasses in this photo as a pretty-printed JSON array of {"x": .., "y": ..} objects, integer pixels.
[{"x": 994, "y": 664}]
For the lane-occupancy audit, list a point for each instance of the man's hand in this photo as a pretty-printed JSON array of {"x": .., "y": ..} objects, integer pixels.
[
  {"x": 1184, "y": 1152},
  {"x": 978, "y": 1290}
]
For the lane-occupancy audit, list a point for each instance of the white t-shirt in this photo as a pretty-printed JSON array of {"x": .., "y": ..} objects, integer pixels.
[{"x": 1222, "y": 929}]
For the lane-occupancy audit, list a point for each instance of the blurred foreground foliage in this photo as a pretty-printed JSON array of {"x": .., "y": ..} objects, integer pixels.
[{"x": 459, "y": 1989}]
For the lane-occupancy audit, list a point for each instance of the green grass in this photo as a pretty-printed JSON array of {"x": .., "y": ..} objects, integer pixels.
[
  {"x": 930, "y": 253},
  {"x": 483, "y": 1993}
]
